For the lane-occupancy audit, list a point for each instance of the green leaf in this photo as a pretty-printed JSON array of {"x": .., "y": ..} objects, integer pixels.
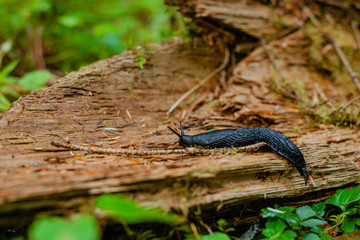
[
  {"x": 35, "y": 80},
  {"x": 287, "y": 209},
  {"x": 349, "y": 195},
  {"x": 344, "y": 197},
  {"x": 348, "y": 225},
  {"x": 284, "y": 213},
  {"x": 70, "y": 21},
  {"x": 80, "y": 227},
  {"x": 141, "y": 60},
  {"x": 317, "y": 230},
  {"x": 41, "y": 6},
  {"x": 334, "y": 200},
  {"x": 274, "y": 227},
  {"x": 221, "y": 222},
  {"x": 287, "y": 235},
  {"x": 305, "y": 212},
  {"x": 7, "y": 69},
  {"x": 9, "y": 91},
  {"x": 326, "y": 237},
  {"x": 351, "y": 211},
  {"x": 212, "y": 129},
  {"x": 127, "y": 210},
  {"x": 313, "y": 222},
  {"x": 18, "y": 238},
  {"x": 311, "y": 236},
  {"x": 319, "y": 209},
  {"x": 230, "y": 230},
  {"x": 215, "y": 236},
  {"x": 357, "y": 221},
  {"x": 271, "y": 212},
  {"x": 4, "y": 103},
  {"x": 291, "y": 218}
]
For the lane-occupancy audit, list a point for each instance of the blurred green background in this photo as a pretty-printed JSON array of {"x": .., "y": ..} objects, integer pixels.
[{"x": 44, "y": 39}]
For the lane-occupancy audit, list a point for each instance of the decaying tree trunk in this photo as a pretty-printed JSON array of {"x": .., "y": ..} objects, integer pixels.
[{"x": 116, "y": 104}]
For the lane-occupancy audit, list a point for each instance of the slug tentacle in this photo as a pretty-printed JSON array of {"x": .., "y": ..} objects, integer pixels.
[{"x": 247, "y": 136}]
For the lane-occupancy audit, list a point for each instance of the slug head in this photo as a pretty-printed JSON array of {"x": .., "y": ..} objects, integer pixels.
[
  {"x": 184, "y": 140},
  {"x": 306, "y": 173}
]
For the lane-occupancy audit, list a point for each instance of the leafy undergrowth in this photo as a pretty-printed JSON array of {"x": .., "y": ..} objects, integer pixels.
[
  {"x": 324, "y": 220},
  {"x": 11, "y": 87},
  {"x": 63, "y": 36},
  {"x": 315, "y": 222}
]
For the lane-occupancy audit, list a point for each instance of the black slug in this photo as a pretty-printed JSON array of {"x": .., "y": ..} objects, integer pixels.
[{"x": 247, "y": 136}]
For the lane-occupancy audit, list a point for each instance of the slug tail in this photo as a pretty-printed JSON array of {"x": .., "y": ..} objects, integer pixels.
[{"x": 285, "y": 148}]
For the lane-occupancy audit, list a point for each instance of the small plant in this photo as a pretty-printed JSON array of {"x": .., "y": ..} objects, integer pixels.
[
  {"x": 310, "y": 222},
  {"x": 348, "y": 201},
  {"x": 79, "y": 227},
  {"x": 303, "y": 221},
  {"x": 11, "y": 88},
  {"x": 128, "y": 211},
  {"x": 222, "y": 226},
  {"x": 141, "y": 56},
  {"x": 215, "y": 236},
  {"x": 283, "y": 223}
]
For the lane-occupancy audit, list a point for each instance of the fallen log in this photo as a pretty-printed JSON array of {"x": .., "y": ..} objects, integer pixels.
[{"x": 116, "y": 104}]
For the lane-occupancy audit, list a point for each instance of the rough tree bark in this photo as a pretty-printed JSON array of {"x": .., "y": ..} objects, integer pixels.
[{"x": 114, "y": 103}]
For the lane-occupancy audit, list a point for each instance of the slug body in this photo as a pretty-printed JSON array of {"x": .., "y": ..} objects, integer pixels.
[{"x": 247, "y": 136}]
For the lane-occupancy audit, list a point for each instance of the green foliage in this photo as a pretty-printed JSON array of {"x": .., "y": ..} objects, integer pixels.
[
  {"x": 344, "y": 197},
  {"x": 329, "y": 62},
  {"x": 128, "y": 211},
  {"x": 141, "y": 56},
  {"x": 34, "y": 80},
  {"x": 222, "y": 226},
  {"x": 4, "y": 103},
  {"x": 81, "y": 227},
  {"x": 76, "y": 33},
  {"x": 306, "y": 221},
  {"x": 275, "y": 229},
  {"x": 215, "y": 236},
  {"x": 348, "y": 219},
  {"x": 299, "y": 223},
  {"x": 11, "y": 87},
  {"x": 283, "y": 223},
  {"x": 71, "y": 34}
]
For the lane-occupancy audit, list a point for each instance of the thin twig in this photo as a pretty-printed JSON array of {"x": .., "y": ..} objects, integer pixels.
[
  {"x": 346, "y": 105},
  {"x": 320, "y": 91},
  {"x": 190, "y": 151},
  {"x": 355, "y": 29},
  {"x": 202, "y": 82},
  {"x": 113, "y": 151},
  {"x": 207, "y": 227},
  {"x": 195, "y": 231},
  {"x": 338, "y": 50},
  {"x": 345, "y": 62},
  {"x": 313, "y": 18},
  {"x": 198, "y": 213}
]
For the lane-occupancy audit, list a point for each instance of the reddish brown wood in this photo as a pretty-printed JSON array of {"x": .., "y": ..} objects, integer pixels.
[{"x": 114, "y": 103}]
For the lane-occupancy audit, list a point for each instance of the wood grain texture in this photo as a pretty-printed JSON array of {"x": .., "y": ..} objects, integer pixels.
[
  {"x": 252, "y": 18},
  {"x": 116, "y": 104}
]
